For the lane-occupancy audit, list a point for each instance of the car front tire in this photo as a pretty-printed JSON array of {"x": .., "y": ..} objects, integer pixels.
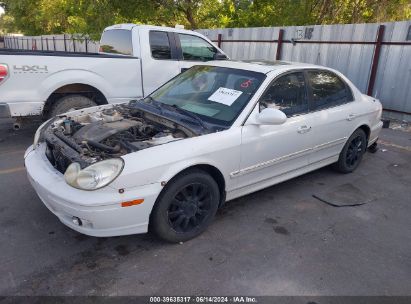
[
  {"x": 186, "y": 207},
  {"x": 351, "y": 155}
]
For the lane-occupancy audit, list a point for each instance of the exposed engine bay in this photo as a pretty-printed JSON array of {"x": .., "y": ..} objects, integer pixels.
[{"x": 111, "y": 132}]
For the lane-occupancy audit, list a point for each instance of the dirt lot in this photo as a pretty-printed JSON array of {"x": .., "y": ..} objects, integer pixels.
[{"x": 279, "y": 241}]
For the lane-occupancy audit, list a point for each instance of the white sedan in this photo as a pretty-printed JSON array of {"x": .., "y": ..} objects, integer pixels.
[{"x": 212, "y": 134}]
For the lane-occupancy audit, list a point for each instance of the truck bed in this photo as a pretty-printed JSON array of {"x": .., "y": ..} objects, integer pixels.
[
  {"x": 33, "y": 76},
  {"x": 62, "y": 54}
]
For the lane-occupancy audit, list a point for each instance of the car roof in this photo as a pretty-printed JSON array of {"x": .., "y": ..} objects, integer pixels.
[
  {"x": 261, "y": 66},
  {"x": 130, "y": 26}
]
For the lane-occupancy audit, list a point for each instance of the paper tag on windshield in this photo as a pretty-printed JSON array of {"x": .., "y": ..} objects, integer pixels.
[{"x": 225, "y": 96}]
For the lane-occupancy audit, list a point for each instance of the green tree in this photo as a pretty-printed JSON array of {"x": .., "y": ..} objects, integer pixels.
[{"x": 35, "y": 17}]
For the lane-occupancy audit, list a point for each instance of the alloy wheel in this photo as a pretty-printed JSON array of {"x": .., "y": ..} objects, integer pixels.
[
  {"x": 189, "y": 207},
  {"x": 354, "y": 151}
]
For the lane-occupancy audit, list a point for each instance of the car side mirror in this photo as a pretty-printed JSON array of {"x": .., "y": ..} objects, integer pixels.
[
  {"x": 219, "y": 56},
  {"x": 270, "y": 116}
]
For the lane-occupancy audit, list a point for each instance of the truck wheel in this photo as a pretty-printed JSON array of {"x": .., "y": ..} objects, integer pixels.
[
  {"x": 70, "y": 103},
  {"x": 351, "y": 154},
  {"x": 186, "y": 207}
]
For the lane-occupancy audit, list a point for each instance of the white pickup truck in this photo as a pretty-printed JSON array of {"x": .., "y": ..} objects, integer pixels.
[{"x": 133, "y": 61}]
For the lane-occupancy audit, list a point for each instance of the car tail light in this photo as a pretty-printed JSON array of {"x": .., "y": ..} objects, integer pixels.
[{"x": 4, "y": 72}]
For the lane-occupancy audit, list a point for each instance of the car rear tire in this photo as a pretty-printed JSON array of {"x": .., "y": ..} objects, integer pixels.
[
  {"x": 351, "y": 154},
  {"x": 186, "y": 207},
  {"x": 69, "y": 103}
]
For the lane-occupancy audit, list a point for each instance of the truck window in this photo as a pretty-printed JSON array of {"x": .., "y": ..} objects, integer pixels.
[
  {"x": 195, "y": 48},
  {"x": 160, "y": 45},
  {"x": 116, "y": 42}
]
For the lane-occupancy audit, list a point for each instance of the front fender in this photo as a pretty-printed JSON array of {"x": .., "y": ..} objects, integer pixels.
[
  {"x": 161, "y": 163},
  {"x": 160, "y": 174}
]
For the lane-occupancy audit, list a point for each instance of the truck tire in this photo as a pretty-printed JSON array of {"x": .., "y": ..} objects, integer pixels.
[{"x": 69, "y": 103}]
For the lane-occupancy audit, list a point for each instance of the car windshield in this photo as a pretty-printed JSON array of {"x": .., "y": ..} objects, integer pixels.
[{"x": 216, "y": 95}]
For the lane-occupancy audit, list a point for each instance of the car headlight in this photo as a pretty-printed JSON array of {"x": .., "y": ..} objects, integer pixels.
[
  {"x": 37, "y": 135},
  {"x": 95, "y": 176}
]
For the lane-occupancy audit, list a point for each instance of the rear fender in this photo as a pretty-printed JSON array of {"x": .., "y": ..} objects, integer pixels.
[{"x": 67, "y": 77}]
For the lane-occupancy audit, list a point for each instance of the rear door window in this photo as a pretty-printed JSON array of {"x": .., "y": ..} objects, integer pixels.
[
  {"x": 328, "y": 90},
  {"x": 116, "y": 42},
  {"x": 195, "y": 48},
  {"x": 160, "y": 45}
]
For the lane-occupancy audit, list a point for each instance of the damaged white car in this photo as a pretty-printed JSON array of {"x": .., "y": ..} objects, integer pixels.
[{"x": 211, "y": 134}]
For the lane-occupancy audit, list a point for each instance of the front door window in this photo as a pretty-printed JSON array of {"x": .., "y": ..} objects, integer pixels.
[{"x": 288, "y": 94}]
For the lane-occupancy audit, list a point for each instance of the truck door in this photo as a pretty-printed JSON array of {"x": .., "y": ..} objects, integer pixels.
[{"x": 159, "y": 58}]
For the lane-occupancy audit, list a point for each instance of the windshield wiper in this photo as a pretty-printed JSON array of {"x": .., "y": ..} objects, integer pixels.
[
  {"x": 154, "y": 103},
  {"x": 152, "y": 100},
  {"x": 159, "y": 105},
  {"x": 191, "y": 115}
]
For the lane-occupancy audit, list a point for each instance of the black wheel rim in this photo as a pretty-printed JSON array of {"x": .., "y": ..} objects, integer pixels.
[
  {"x": 354, "y": 152},
  {"x": 190, "y": 207}
]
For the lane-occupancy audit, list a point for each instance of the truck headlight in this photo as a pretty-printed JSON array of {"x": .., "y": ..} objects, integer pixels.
[
  {"x": 95, "y": 176},
  {"x": 37, "y": 135}
]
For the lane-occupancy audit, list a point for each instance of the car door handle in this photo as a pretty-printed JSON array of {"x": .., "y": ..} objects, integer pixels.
[
  {"x": 303, "y": 129},
  {"x": 352, "y": 116}
]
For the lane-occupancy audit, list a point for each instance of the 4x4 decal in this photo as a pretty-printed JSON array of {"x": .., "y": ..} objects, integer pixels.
[{"x": 30, "y": 69}]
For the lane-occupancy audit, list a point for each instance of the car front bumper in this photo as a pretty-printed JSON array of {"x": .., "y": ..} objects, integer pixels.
[{"x": 100, "y": 211}]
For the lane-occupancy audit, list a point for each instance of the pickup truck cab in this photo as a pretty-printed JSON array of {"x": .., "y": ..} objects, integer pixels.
[{"x": 132, "y": 62}]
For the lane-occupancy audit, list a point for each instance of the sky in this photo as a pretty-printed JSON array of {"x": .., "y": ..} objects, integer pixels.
[{"x": 1, "y": 11}]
